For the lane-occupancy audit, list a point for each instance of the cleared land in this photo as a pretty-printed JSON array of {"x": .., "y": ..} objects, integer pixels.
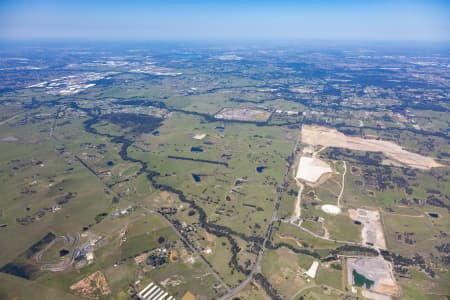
[
  {"x": 374, "y": 273},
  {"x": 313, "y": 269},
  {"x": 311, "y": 169},
  {"x": 92, "y": 286},
  {"x": 244, "y": 114},
  {"x": 372, "y": 232},
  {"x": 329, "y": 137}
]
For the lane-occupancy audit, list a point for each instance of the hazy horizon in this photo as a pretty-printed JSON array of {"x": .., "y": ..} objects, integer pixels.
[{"x": 226, "y": 20}]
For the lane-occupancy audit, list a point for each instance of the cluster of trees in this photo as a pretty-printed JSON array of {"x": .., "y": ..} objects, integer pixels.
[
  {"x": 293, "y": 248},
  {"x": 270, "y": 290},
  {"x": 355, "y": 250},
  {"x": 402, "y": 263},
  {"x": 364, "y": 158}
]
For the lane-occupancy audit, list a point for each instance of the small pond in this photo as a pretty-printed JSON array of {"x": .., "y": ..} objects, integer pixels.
[
  {"x": 433, "y": 215},
  {"x": 260, "y": 169},
  {"x": 196, "y": 149},
  {"x": 196, "y": 177}
]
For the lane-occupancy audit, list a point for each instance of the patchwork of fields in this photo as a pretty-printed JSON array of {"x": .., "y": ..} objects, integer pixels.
[{"x": 180, "y": 171}]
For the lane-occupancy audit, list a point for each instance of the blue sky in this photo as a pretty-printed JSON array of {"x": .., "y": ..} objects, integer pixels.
[{"x": 195, "y": 19}]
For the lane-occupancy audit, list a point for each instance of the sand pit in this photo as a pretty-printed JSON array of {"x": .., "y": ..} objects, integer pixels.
[
  {"x": 372, "y": 231},
  {"x": 375, "y": 269},
  {"x": 310, "y": 169},
  {"x": 331, "y": 209},
  {"x": 199, "y": 136},
  {"x": 330, "y": 137}
]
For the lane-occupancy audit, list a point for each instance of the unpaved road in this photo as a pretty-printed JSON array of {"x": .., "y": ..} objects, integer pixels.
[
  {"x": 342, "y": 185},
  {"x": 298, "y": 203}
]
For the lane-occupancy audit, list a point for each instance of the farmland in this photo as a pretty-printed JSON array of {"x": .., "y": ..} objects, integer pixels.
[{"x": 177, "y": 169}]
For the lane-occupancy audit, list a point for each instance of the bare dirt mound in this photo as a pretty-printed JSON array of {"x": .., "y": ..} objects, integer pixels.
[
  {"x": 330, "y": 137},
  {"x": 311, "y": 169}
]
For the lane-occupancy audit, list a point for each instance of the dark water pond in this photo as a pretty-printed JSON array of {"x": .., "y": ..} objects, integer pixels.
[
  {"x": 63, "y": 252},
  {"x": 260, "y": 169},
  {"x": 196, "y": 177},
  {"x": 220, "y": 128},
  {"x": 196, "y": 149},
  {"x": 155, "y": 132},
  {"x": 434, "y": 215},
  {"x": 110, "y": 163}
]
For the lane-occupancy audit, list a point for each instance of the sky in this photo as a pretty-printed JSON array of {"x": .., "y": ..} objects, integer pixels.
[{"x": 396, "y": 20}]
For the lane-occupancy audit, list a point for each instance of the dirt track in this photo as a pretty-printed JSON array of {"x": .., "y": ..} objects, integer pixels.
[{"x": 330, "y": 137}]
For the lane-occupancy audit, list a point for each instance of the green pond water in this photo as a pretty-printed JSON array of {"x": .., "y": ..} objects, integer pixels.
[{"x": 360, "y": 280}]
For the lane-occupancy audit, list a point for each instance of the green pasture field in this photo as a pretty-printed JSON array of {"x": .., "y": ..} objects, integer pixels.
[
  {"x": 251, "y": 203},
  {"x": 425, "y": 229},
  {"x": 279, "y": 268},
  {"x": 341, "y": 227},
  {"x": 289, "y": 230},
  {"x": 29, "y": 186},
  {"x": 252, "y": 292},
  {"x": 18, "y": 288},
  {"x": 421, "y": 286},
  {"x": 330, "y": 277},
  {"x": 318, "y": 293}
]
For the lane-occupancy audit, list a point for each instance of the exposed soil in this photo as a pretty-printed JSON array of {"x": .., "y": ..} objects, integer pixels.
[
  {"x": 92, "y": 286},
  {"x": 330, "y": 137}
]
